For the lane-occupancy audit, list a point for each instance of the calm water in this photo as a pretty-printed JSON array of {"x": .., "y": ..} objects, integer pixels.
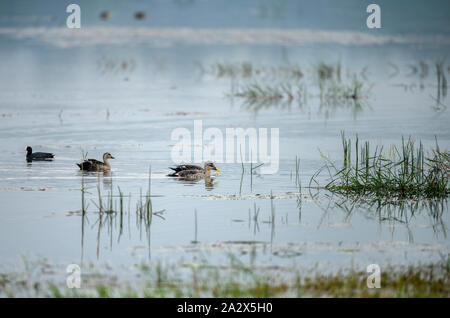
[{"x": 63, "y": 98}]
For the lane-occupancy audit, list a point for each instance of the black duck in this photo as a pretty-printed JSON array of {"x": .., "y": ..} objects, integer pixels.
[{"x": 38, "y": 156}]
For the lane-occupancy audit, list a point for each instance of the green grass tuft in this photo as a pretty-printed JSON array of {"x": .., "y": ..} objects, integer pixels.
[{"x": 405, "y": 173}]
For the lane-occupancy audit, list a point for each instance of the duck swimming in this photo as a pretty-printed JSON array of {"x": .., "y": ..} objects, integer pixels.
[
  {"x": 94, "y": 165},
  {"x": 193, "y": 172},
  {"x": 38, "y": 156}
]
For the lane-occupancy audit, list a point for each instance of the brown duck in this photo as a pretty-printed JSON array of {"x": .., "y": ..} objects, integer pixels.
[
  {"x": 193, "y": 172},
  {"x": 94, "y": 165}
]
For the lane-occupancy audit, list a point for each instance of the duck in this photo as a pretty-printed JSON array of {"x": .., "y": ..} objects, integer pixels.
[
  {"x": 140, "y": 15},
  {"x": 95, "y": 165},
  {"x": 38, "y": 156},
  {"x": 193, "y": 172}
]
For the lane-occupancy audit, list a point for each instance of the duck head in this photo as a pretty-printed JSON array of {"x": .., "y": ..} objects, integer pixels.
[
  {"x": 209, "y": 165},
  {"x": 28, "y": 150},
  {"x": 107, "y": 156}
]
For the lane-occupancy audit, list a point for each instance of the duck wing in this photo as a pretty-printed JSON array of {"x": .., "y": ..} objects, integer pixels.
[
  {"x": 90, "y": 164},
  {"x": 85, "y": 165},
  {"x": 186, "y": 167},
  {"x": 181, "y": 168},
  {"x": 95, "y": 162}
]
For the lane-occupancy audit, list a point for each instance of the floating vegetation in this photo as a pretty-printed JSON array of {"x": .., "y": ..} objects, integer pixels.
[
  {"x": 421, "y": 69},
  {"x": 331, "y": 93},
  {"x": 247, "y": 70},
  {"x": 395, "y": 69},
  {"x": 441, "y": 79},
  {"x": 329, "y": 71},
  {"x": 393, "y": 213},
  {"x": 256, "y": 92},
  {"x": 244, "y": 69},
  {"x": 114, "y": 66},
  {"x": 256, "y": 105},
  {"x": 263, "y": 87},
  {"x": 441, "y": 86},
  {"x": 334, "y": 92},
  {"x": 281, "y": 196},
  {"x": 112, "y": 209},
  {"x": 337, "y": 95},
  {"x": 27, "y": 189},
  {"x": 405, "y": 173}
]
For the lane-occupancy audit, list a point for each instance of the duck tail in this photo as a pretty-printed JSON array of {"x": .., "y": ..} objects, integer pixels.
[{"x": 79, "y": 165}]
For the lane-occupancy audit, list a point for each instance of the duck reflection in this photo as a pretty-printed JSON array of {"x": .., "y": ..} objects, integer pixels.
[
  {"x": 92, "y": 177},
  {"x": 209, "y": 182}
]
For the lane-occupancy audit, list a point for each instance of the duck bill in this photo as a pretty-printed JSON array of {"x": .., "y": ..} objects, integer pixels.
[{"x": 113, "y": 158}]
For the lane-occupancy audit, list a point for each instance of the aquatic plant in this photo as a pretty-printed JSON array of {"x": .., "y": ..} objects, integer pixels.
[
  {"x": 336, "y": 91},
  {"x": 246, "y": 70},
  {"x": 331, "y": 92},
  {"x": 337, "y": 95},
  {"x": 298, "y": 182},
  {"x": 441, "y": 79},
  {"x": 326, "y": 71},
  {"x": 421, "y": 69},
  {"x": 256, "y": 92},
  {"x": 110, "y": 209},
  {"x": 404, "y": 173},
  {"x": 235, "y": 279},
  {"x": 394, "y": 212}
]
